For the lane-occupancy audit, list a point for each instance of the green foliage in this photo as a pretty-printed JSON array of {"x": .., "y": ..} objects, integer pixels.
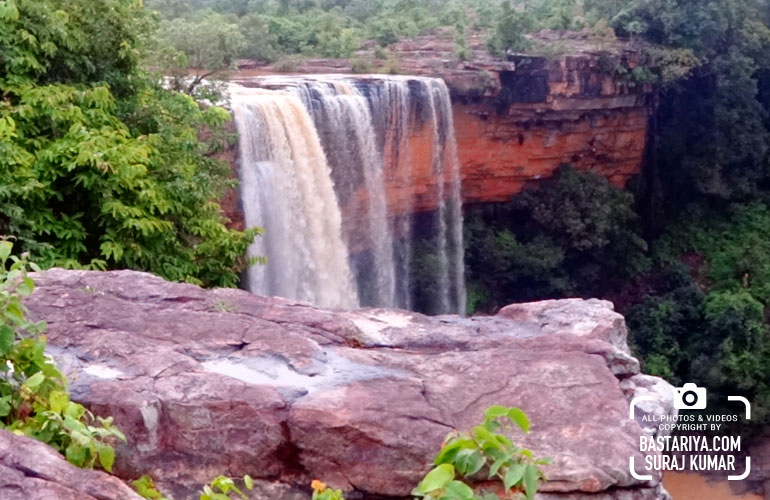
[
  {"x": 220, "y": 488},
  {"x": 360, "y": 65},
  {"x": 462, "y": 52},
  {"x": 513, "y": 24},
  {"x": 322, "y": 492},
  {"x": 52, "y": 41},
  {"x": 96, "y": 178},
  {"x": 465, "y": 455},
  {"x": 34, "y": 400},
  {"x": 705, "y": 323},
  {"x": 570, "y": 237},
  {"x": 208, "y": 42},
  {"x": 223, "y": 487},
  {"x": 560, "y": 14},
  {"x": 260, "y": 43},
  {"x": 145, "y": 487},
  {"x": 713, "y": 136}
]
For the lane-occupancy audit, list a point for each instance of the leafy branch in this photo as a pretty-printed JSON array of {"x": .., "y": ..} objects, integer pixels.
[{"x": 464, "y": 455}]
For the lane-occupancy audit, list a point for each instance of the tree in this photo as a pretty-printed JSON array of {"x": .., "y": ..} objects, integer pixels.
[
  {"x": 571, "y": 236},
  {"x": 209, "y": 42},
  {"x": 260, "y": 43},
  {"x": 100, "y": 167},
  {"x": 713, "y": 135},
  {"x": 509, "y": 35}
]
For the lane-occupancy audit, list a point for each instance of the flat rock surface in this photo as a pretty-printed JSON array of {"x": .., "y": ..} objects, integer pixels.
[{"x": 224, "y": 382}]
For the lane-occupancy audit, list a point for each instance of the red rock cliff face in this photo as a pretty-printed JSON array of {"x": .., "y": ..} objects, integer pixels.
[
  {"x": 567, "y": 112},
  {"x": 516, "y": 121}
]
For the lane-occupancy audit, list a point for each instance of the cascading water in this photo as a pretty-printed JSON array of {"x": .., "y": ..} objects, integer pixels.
[
  {"x": 352, "y": 136},
  {"x": 287, "y": 189},
  {"x": 345, "y": 117}
]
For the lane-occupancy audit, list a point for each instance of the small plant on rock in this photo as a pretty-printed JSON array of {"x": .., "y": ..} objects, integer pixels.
[
  {"x": 484, "y": 450},
  {"x": 34, "y": 400},
  {"x": 222, "y": 486},
  {"x": 145, "y": 487},
  {"x": 322, "y": 492},
  {"x": 483, "y": 453}
]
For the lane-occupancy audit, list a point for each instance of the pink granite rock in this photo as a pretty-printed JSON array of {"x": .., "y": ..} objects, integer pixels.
[{"x": 222, "y": 381}]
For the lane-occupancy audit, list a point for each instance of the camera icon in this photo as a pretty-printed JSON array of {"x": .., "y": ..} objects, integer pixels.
[{"x": 690, "y": 397}]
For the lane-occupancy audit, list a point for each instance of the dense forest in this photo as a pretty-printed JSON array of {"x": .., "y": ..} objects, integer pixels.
[{"x": 104, "y": 167}]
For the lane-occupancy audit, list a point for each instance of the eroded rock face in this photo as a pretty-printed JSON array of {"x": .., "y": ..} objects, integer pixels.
[
  {"x": 222, "y": 381},
  {"x": 516, "y": 120},
  {"x": 31, "y": 470}
]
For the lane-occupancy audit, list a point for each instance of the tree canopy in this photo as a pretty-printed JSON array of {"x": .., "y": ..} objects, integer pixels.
[{"x": 101, "y": 166}]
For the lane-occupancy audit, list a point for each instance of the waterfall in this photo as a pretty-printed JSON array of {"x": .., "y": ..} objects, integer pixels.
[
  {"x": 348, "y": 141},
  {"x": 345, "y": 116},
  {"x": 287, "y": 189}
]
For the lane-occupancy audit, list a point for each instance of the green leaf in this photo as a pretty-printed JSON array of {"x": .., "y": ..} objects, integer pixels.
[
  {"x": 249, "y": 482},
  {"x": 513, "y": 475},
  {"x": 520, "y": 418},
  {"x": 76, "y": 454},
  {"x": 469, "y": 462},
  {"x": 496, "y": 411},
  {"x": 58, "y": 400},
  {"x": 106, "y": 456},
  {"x": 5, "y": 250},
  {"x": 457, "y": 490},
  {"x": 26, "y": 287},
  {"x": 531, "y": 477},
  {"x": 436, "y": 479},
  {"x": 15, "y": 312},
  {"x": 7, "y": 336},
  {"x": 497, "y": 464},
  {"x": 5, "y": 407},
  {"x": 35, "y": 380},
  {"x": 486, "y": 437},
  {"x": 449, "y": 451},
  {"x": 74, "y": 410}
]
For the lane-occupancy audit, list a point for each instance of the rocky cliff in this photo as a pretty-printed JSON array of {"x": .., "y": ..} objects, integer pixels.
[
  {"x": 222, "y": 381},
  {"x": 516, "y": 120}
]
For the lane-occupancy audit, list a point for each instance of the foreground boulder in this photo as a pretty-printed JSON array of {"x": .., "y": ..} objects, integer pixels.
[
  {"x": 225, "y": 382},
  {"x": 31, "y": 470}
]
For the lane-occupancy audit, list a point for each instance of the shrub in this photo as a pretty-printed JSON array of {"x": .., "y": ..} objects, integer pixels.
[
  {"x": 287, "y": 64},
  {"x": 465, "y": 454},
  {"x": 34, "y": 400},
  {"x": 359, "y": 65}
]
